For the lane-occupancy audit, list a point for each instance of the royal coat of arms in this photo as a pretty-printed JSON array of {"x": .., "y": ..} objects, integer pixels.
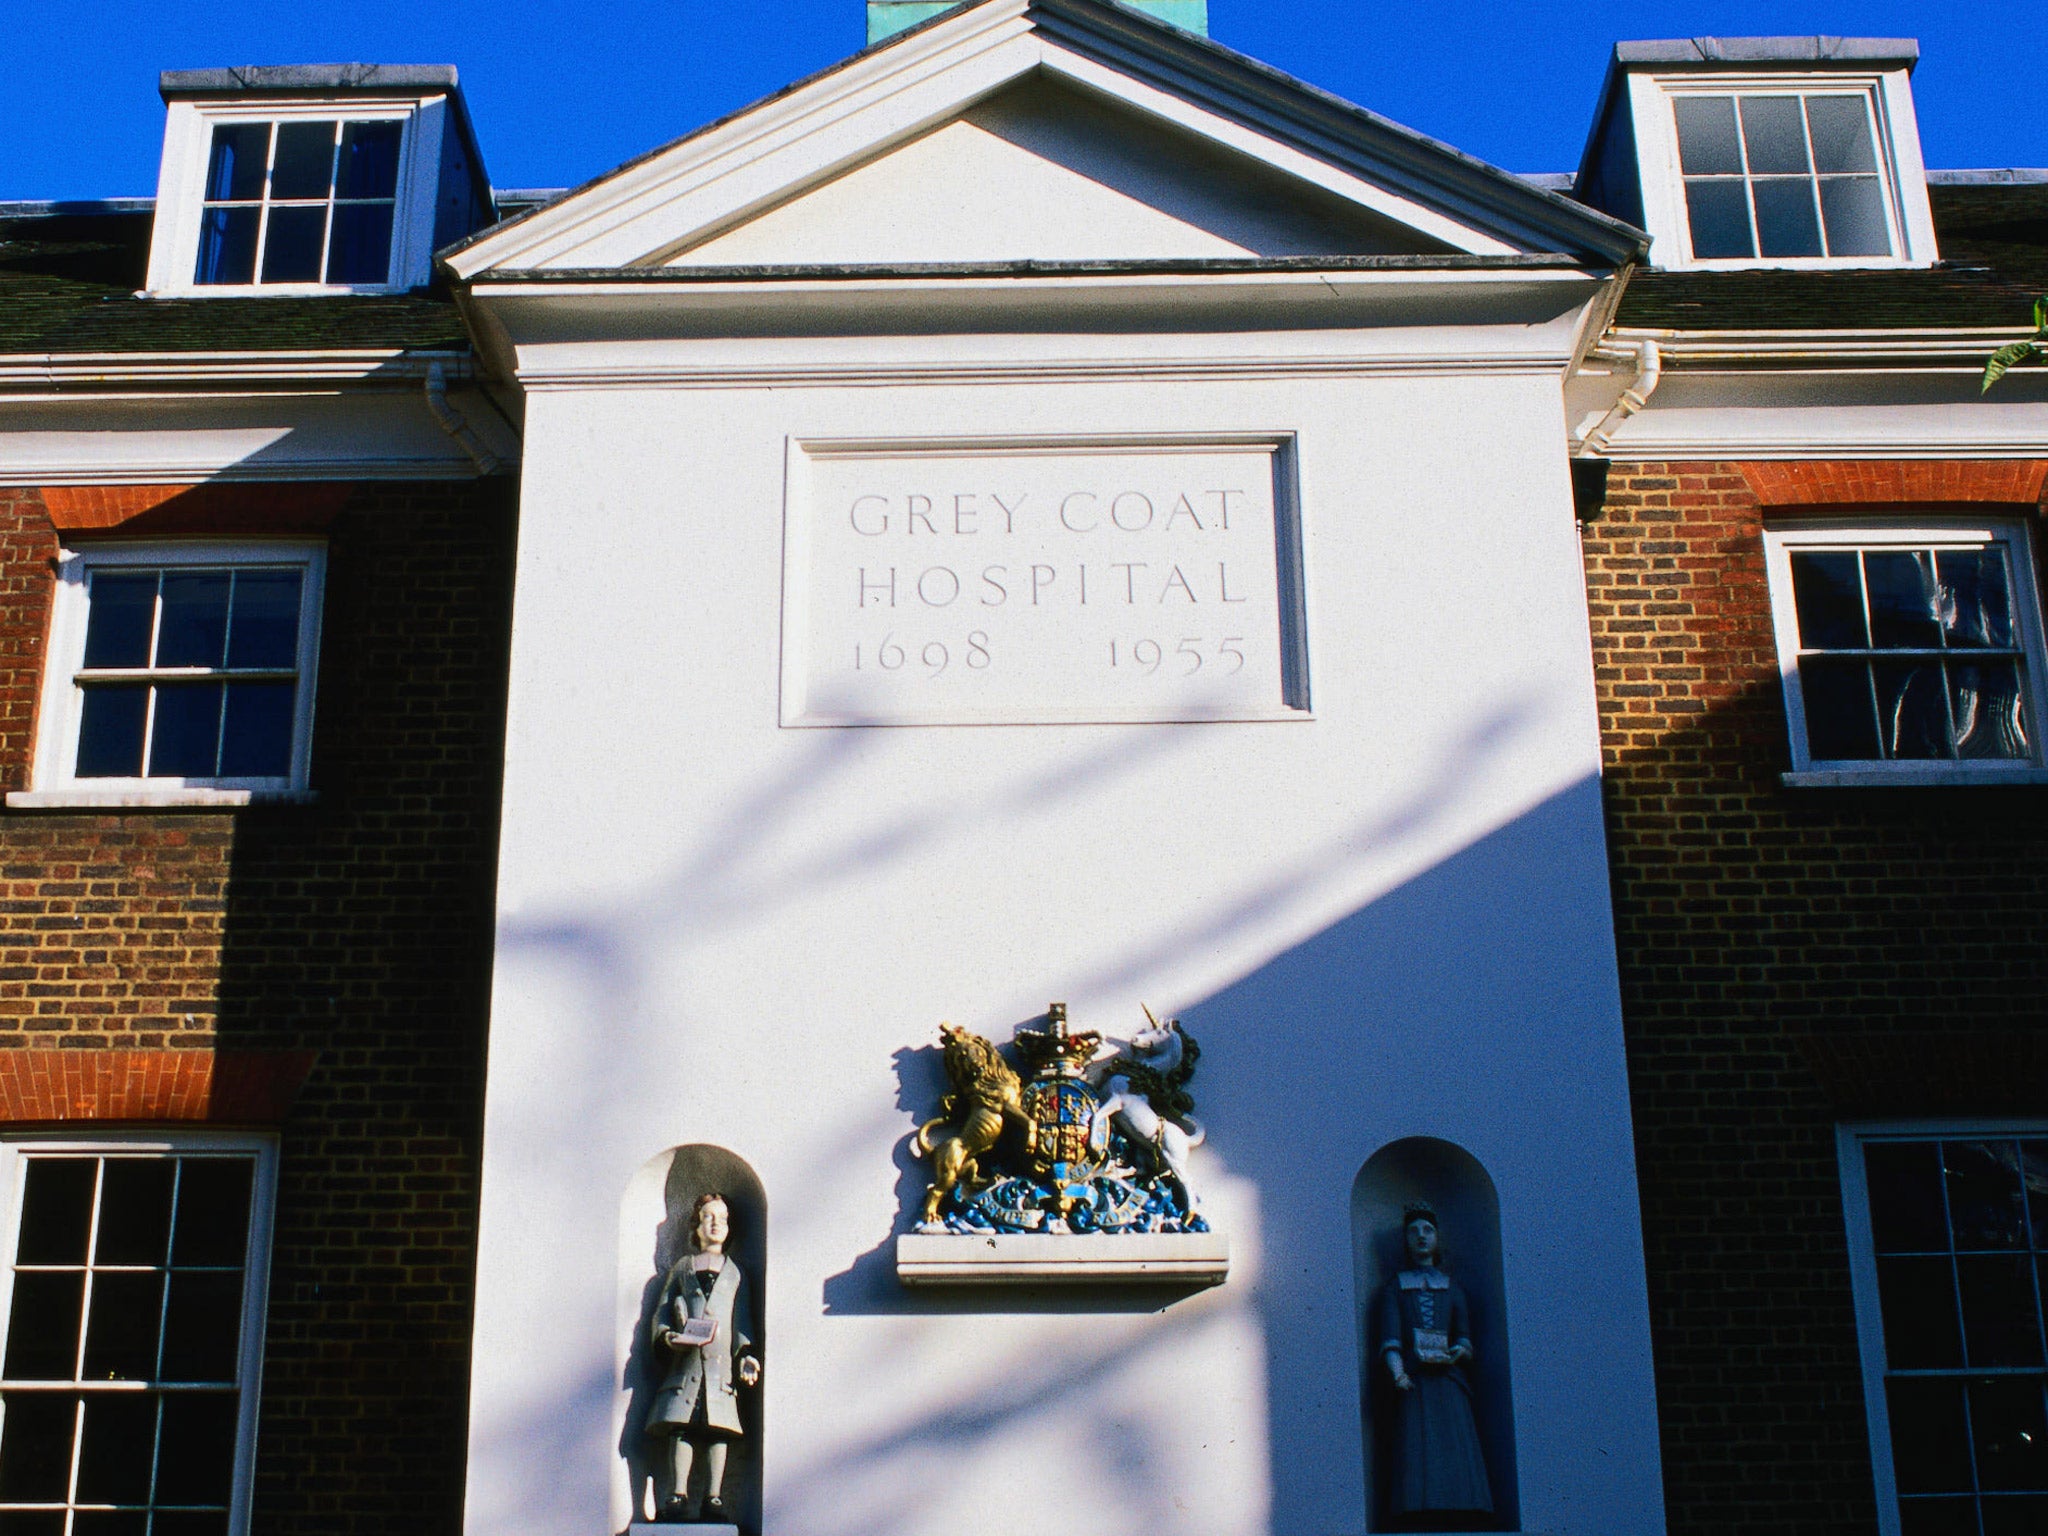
[{"x": 1062, "y": 1142}]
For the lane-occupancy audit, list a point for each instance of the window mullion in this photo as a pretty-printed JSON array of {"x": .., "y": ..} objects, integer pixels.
[
  {"x": 1756, "y": 244},
  {"x": 1955, "y": 1281},
  {"x": 1813, "y": 178},
  {"x": 333, "y": 191},
  {"x": 263, "y": 208}
]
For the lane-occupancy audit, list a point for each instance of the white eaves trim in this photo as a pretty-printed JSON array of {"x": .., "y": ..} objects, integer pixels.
[{"x": 648, "y": 211}]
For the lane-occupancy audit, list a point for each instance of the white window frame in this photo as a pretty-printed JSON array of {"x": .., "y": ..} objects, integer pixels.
[
  {"x": 1850, "y": 1140},
  {"x": 1902, "y": 175},
  {"x": 1782, "y": 536},
  {"x": 255, "y": 1275},
  {"x": 181, "y": 188},
  {"x": 55, "y": 781}
]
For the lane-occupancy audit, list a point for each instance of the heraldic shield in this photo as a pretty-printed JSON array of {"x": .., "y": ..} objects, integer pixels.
[{"x": 1054, "y": 1152}]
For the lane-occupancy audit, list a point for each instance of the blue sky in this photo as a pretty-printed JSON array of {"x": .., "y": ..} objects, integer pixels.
[{"x": 562, "y": 91}]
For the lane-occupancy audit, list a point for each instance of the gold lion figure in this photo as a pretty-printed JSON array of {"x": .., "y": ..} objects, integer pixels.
[{"x": 985, "y": 1093}]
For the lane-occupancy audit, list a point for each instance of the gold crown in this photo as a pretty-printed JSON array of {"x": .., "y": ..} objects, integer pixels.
[{"x": 1056, "y": 1044}]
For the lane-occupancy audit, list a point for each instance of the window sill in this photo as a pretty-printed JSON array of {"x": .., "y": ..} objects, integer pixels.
[
  {"x": 187, "y": 799},
  {"x": 1911, "y": 778}
]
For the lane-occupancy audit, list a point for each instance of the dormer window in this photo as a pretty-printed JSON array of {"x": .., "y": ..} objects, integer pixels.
[
  {"x": 1781, "y": 174},
  {"x": 1764, "y": 152},
  {"x": 300, "y": 202},
  {"x": 312, "y": 179}
]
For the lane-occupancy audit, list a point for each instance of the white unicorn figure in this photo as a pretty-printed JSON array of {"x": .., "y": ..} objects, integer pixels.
[{"x": 1158, "y": 1064}]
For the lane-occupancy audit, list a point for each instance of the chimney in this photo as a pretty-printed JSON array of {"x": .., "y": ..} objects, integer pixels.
[{"x": 888, "y": 17}]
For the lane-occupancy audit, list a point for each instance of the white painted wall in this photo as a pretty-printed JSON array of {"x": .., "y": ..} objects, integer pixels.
[{"x": 1390, "y": 920}]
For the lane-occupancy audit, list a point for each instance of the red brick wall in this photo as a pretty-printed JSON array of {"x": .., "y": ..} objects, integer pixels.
[
  {"x": 1789, "y": 959},
  {"x": 351, "y": 936}
]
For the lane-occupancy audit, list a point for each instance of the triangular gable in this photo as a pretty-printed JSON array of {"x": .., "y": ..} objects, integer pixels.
[
  {"x": 1044, "y": 172},
  {"x": 1077, "y": 130}
]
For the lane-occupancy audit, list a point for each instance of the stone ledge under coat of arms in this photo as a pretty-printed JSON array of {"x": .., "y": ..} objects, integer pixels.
[{"x": 1066, "y": 1169}]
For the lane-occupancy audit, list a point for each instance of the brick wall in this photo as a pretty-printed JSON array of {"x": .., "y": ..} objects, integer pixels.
[
  {"x": 348, "y": 941},
  {"x": 1789, "y": 959}
]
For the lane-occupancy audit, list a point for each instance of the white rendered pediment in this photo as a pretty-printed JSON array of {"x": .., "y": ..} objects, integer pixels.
[
  {"x": 1053, "y": 130},
  {"x": 1049, "y": 173}
]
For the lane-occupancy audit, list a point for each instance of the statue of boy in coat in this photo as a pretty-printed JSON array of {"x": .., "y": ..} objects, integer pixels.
[{"x": 701, "y": 1320}]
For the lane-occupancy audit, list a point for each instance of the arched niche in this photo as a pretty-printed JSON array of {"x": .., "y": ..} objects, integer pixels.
[
  {"x": 1446, "y": 1176},
  {"x": 654, "y": 1231}
]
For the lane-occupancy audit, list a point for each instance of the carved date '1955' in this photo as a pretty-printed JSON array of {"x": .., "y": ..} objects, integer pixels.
[{"x": 1147, "y": 655}]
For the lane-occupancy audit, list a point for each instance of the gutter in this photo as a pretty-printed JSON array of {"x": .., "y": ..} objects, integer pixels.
[
  {"x": 456, "y": 425},
  {"x": 1649, "y": 374},
  {"x": 88, "y": 369}
]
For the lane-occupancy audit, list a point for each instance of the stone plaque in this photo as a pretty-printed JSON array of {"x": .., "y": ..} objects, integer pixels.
[{"x": 957, "y": 583}]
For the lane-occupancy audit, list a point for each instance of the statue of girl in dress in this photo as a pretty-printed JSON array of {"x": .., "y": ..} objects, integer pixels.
[
  {"x": 702, "y": 1322},
  {"x": 1434, "y": 1471}
]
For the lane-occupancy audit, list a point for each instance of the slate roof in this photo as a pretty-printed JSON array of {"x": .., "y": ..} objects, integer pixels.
[
  {"x": 68, "y": 281},
  {"x": 68, "y": 278},
  {"x": 1994, "y": 248}
]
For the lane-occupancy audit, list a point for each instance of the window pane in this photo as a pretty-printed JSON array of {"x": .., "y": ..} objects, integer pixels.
[
  {"x": 135, "y": 1211},
  {"x": 1988, "y": 711},
  {"x": 1912, "y": 709},
  {"x": 1985, "y": 1201},
  {"x": 1938, "y": 1517},
  {"x": 1718, "y": 214},
  {"x": 234, "y": 169},
  {"x": 197, "y": 1461},
  {"x": 35, "y": 1447},
  {"x": 291, "y": 250},
  {"x": 213, "y": 1210},
  {"x": 1854, "y": 209},
  {"x": 117, "y": 626},
  {"x": 56, "y": 1210},
  {"x": 369, "y": 160},
  {"x": 361, "y": 251},
  {"x": 256, "y": 742},
  {"x": 1841, "y": 724},
  {"x": 1975, "y": 606},
  {"x": 1930, "y": 1444},
  {"x": 1918, "y": 1299},
  {"x": 1707, "y": 145},
  {"x": 1841, "y": 134},
  {"x": 1905, "y": 1196},
  {"x": 110, "y": 722},
  {"x": 1774, "y": 134},
  {"x": 28, "y": 1522},
  {"x": 187, "y": 736},
  {"x": 1998, "y": 1310},
  {"x": 190, "y": 1522},
  {"x": 110, "y": 1522},
  {"x": 2010, "y": 1431},
  {"x": 195, "y": 621},
  {"x": 1904, "y": 606},
  {"x": 227, "y": 245},
  {"x": 203, "y": 1326},
  {"x": 2034, "y": 1167},
  {"x": 2015, "y": 1515},
  {"x": 1829, "y": 595},
  {"x": 121, "y": 1324},
  {"x": 1785, "y": 221},
  {"x": 265, "y": 632},
  {"x": 305, "y": 161},
  {"x": 115, "y": 1449},
  {"x": 42, "y": 1326}
]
